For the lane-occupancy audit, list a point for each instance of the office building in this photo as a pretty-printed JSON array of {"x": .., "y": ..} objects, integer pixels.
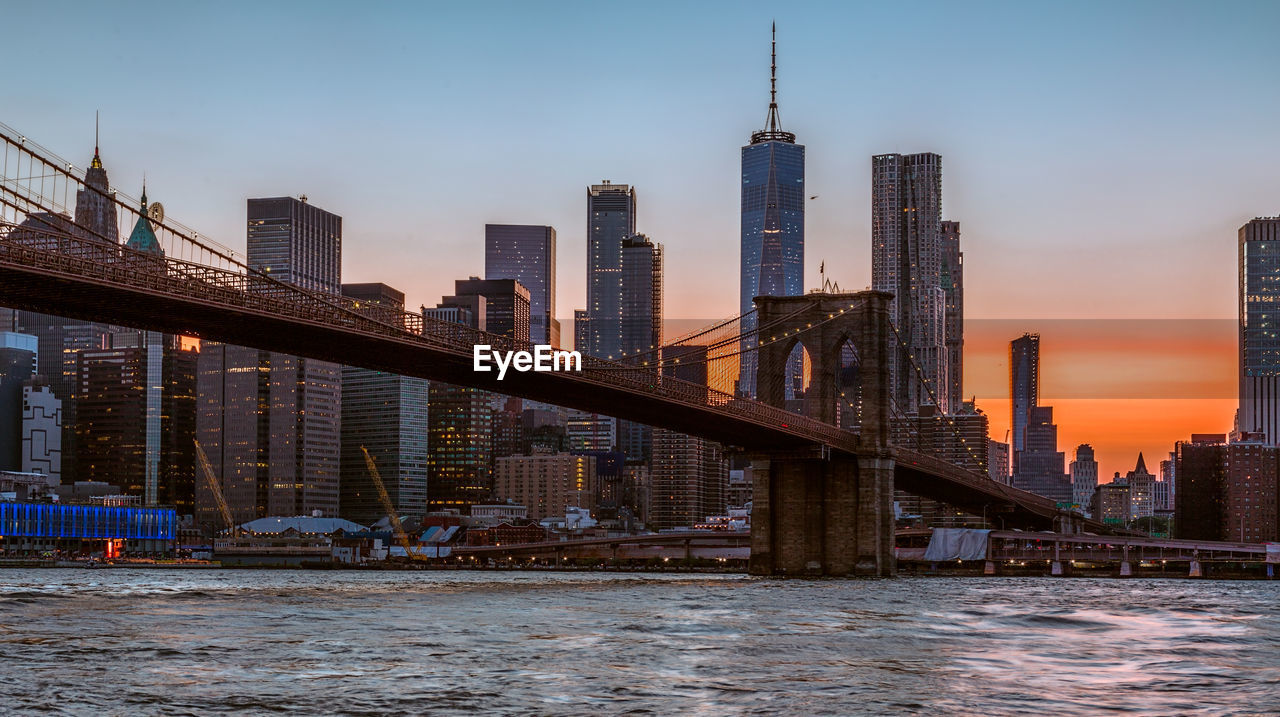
[
  {"x": 1141, "y": 490},
  {"x": 1259, "y": 294},
  {"x": 772, "y": 223},
  {"x": 907, "y": 257},
  {"x": 460, "y": 418},
  {"x": 96, "y": 218},
  {"x": 501, "y": 305},
  {"x": 296, "y": 242},
  {"x": 61, "y": 338},
  {"x": 1199, "y": 475},
  {"x": 17, "y": 366},
  {"x": 581, "y": 330},
  {"x": 641, "y": 327},
  {"x": 271, "y": 422},
  {"x": 959, "y": 438},
  {"x": 527, "y": 253},
  {"x": 1084, "y": 477},
  {"x": 1227, "y": 490},
  {"x": 998, "y": 461},
  {"x": 952, "y": 281},
  {"x": 688, "y": 476},
  {"x": 1024, "y": 387},
  {"x": 641, "y": 295},
  {"x": 387, "y": 414},
  {"x": 547, "y": 483},
  {"x": 1111, "y": 503},
  {"x": 1165, "y": 492},
  {"x": 611, "y": 218},
  {"x": 1040, "y": 467},
  {"x": 136, "y": 418},
  {"x": 1250, "y": 488},
  {"x": 591, "y": 432},
  {"x": 41, "y": 430}
]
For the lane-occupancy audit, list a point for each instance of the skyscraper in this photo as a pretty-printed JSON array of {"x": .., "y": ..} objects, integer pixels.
[
  {"x": 60, "y": 339},
  {"x": 1024, "y": 387},
  {"x": 1259, "y": 409},
  {"x": 1041, "y": 466},
  {"x": 641, "y": 326},
  {"x": 772, "y": 249},
  {"x": 136, "y": 417},
  {"x": 17, "y": 366},
  {"x": 953, "y": 293},
  {"x": 387, "y": 414},
  {"x": 41, "y": 430},
  {"x": 270, "y": 422},
  {"x": 501, "y": 305},
  {"x": 95, "y": 208},
  {"x": 460, "y": 419},
  {"x": 688, "y": 476},
  {"x": 907, "y": 258},
  {"x": 611, "y": 218},
  {"x": 296, "y": 242},
  {"x": 527, "y": 253},
  {"x": 641, "y": 295}
]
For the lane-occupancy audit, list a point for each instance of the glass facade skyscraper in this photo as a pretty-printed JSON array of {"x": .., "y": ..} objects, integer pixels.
[
  {"x": 772, "y": 249},
  {"x": 1024, "y": 388},
  {"x": 611, "y": 218},
  {"x": 527, "y": 253},
  {"x": 1259, "y": 409}
]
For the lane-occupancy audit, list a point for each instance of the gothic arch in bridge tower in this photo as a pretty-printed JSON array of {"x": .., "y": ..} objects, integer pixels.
[
  {"x": 826, "y": 512},
  {"x": 846, "y": 338}
]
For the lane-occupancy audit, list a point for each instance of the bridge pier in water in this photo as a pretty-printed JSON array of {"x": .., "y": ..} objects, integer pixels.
[
  {"x": 822, "y": 515},
  {"x": 822, "y": 511}
]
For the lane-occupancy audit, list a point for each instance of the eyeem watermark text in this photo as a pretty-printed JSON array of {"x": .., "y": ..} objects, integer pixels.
[{"x": 542, "y": 358}]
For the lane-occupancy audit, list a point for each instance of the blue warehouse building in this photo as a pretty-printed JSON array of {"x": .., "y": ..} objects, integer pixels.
[{"x": 33, "y": 529}]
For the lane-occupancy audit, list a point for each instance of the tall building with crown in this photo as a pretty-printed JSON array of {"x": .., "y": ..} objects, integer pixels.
[
  {"x": 772, "y": 222},
  {"x": 61, "y": 339}
]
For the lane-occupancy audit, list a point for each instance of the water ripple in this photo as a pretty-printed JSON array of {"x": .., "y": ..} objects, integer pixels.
[{"x": 123, "y": 641}]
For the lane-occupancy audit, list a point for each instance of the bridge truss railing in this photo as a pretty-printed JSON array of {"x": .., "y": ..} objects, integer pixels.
[{"x": 86, "y": 258}]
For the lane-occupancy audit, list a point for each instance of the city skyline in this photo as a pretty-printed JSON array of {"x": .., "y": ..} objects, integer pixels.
[{"x": 1175, "y": 248}]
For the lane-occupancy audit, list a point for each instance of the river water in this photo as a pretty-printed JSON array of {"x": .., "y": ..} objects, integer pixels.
[{"x": 129, "y": 641}]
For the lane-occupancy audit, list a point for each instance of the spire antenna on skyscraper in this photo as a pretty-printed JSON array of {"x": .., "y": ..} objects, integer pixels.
[
  {"x": 97, "y": 159},
  {"x": 773, "y": 123}
]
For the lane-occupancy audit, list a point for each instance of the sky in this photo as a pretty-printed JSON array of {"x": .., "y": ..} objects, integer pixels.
[{"x": 1100, "y": 157}]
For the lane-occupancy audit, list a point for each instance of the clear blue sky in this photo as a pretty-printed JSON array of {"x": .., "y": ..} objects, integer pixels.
[{"x": 1099, "y": 156}]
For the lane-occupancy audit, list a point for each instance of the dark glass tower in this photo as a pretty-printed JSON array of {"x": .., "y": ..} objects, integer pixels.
[
  {"x": 611, "y": 218},
  {"x": 387, "y": 414},
  {"x": 1259, "y": 408},
  {"x": 953, "y": 290},
  {"x": 527, "y": 253},
  {"x": 1024, "y": 388},
  {"x": 772, "y": 258}
]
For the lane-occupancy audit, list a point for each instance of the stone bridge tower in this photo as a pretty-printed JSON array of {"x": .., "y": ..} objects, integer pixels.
[{"x": 826, "y": 511}]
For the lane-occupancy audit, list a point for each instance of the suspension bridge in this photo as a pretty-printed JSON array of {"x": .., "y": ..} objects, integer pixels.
[{"x": 824, "y": 472}]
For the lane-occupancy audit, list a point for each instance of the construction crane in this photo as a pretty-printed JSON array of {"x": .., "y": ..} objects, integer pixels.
[
  {"x": 214, "y": 487},
  {"x": 396, "y": 527}
]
